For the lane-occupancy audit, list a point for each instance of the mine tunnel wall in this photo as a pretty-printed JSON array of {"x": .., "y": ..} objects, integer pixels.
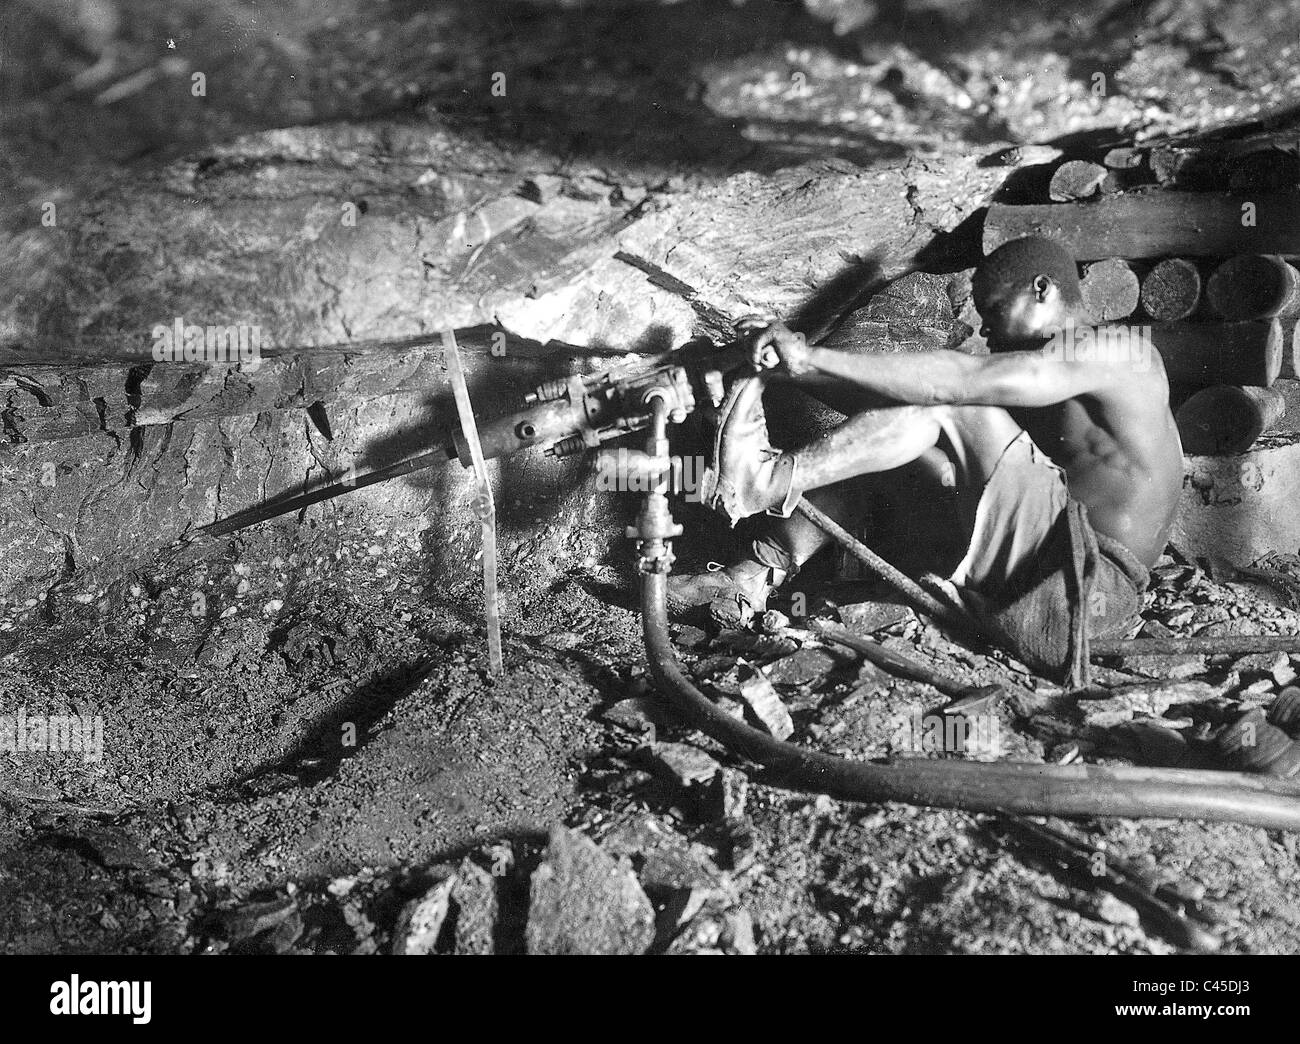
[{"x": 79, "y": 513}]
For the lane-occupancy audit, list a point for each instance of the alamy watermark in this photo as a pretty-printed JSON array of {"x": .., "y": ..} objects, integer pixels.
[
  {"x": 24, "y": 733},
  {"x": 974, "y": 735},
  {"x": 1113, "y": 343},
  {"x": 188, "y": 342},
  {"x": 73, "y": 996},
  {"x": 630, "y": 471}
]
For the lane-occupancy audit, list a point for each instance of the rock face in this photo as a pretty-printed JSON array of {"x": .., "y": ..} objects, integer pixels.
[
  {"x": 475, "y": 899},
  {"x": 329, "y": 234},
  {"x": 421, "y": 922},
  {"x": 584, "y": 901},
  {"x": 468, "y": 895},
  {"x": 347, "y": 246},
  {"x": 179, "y": 445}
]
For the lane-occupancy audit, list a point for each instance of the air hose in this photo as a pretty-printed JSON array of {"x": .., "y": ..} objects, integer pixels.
[{"x": 1010, "y": 787}]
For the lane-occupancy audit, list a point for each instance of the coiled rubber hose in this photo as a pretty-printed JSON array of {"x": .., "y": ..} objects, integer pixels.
[{"x": 1025, "y": 788}]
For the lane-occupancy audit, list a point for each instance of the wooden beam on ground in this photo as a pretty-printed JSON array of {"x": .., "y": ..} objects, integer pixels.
[{"x": 1227, "y": 645}]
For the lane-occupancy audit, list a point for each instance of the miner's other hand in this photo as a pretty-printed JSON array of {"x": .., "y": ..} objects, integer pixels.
[{"x": 774, "y": 344}]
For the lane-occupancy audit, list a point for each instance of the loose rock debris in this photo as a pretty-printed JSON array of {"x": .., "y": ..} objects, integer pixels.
[{"x": 695, "y": 855}]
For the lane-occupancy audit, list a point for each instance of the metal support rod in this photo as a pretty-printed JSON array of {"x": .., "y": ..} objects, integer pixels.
[
  {"x": 899, "y": 665},
  {"x": 483, "y": 505}
]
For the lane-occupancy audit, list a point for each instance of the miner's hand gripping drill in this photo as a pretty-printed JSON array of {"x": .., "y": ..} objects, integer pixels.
[{"x": 582, "y": 413}]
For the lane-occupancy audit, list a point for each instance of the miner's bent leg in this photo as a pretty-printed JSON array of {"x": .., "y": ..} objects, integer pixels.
[{"x": 973, "y": 437}]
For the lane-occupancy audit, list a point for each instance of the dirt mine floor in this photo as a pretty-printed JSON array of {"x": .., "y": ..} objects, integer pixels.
[
  {"x": 290, "y": 777},
  {"x": 325, "y": 766}
]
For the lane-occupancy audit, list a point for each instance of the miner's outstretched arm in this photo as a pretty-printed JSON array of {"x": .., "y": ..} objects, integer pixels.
[{"x": 945, "y": 377}]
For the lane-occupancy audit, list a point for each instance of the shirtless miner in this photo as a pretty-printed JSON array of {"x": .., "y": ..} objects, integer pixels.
[{"x": 1070, "y": 458}]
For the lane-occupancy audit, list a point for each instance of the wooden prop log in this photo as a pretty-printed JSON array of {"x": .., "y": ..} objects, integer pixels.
[
  {"x": 1168, "y": 164},
  {"x": 1242, "y": 168},
  {"x": 1290, "y": 349},
  {"x": 1171, "y": 290},
  {"x": 1258, "y": 163},
  {"x": 1265, "y": 170},
  {"x": 1155, "y": 224},
  {"x": 1254, "y": 286},
  {"x": 1123, "y": 158},
  {"x": 1110, "y": 289},
  {"x": 1202, "y": 354},
  {"x": 1076, "y": 179},
  {"x": 1226, "y": 420}
]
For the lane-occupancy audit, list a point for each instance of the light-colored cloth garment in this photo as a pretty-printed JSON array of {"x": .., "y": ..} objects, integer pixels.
[
  {"x": 1039, "y": 579},
  {"x": 1024, "y": 497}
]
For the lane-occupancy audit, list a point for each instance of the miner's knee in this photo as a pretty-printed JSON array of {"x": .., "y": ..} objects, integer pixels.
[{"x": 979, "y": 422}]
